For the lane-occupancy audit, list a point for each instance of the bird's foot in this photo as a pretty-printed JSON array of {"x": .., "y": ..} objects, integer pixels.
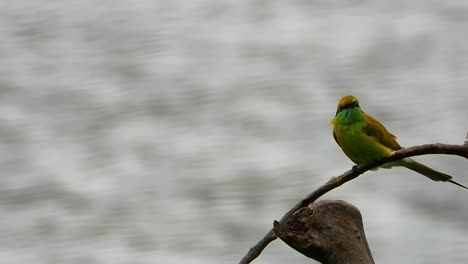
[{"x": 354, "y": 168}]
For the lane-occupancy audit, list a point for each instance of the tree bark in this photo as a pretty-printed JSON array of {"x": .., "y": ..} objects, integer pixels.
[
  {"x": 330, "y": 232},
  {"x": 356, "y": 171}
]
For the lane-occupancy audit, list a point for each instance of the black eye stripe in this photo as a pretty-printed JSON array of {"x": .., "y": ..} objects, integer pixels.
[{"x": 349, "y": 105}]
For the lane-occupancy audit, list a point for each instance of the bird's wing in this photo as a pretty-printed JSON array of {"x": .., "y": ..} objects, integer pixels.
[
  {"x": 376, "y": 130},
  {"x": 334, "y": 136}
]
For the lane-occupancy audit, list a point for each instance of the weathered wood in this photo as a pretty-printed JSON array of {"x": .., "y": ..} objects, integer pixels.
[
  {"x": 330, "y": 232},
  {"x": 356, "y": 171}
]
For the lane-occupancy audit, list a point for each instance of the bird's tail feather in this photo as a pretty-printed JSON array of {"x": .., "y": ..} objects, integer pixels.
[{"x": 428, "y": 172}]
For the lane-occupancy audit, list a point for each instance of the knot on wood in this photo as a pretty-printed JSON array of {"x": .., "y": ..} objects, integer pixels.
[{"x": 327, "y": 231}]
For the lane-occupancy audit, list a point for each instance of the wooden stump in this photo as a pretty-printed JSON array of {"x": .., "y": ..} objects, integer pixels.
[{"x": 330, "y": 232}]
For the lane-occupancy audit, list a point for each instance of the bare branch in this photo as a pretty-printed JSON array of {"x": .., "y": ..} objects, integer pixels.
[
  {"x": 334, "y": 182},
  {"x": 255, "y": 251}
]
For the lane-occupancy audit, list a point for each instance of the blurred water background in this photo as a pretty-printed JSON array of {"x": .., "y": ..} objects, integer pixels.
[{"x": 176, "y": 131}]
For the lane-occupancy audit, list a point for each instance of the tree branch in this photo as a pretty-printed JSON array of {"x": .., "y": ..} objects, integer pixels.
[{"x": 334, "y": 182}]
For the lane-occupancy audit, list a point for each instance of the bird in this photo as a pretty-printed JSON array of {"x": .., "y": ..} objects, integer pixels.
[{"x": 365, "y": 140}]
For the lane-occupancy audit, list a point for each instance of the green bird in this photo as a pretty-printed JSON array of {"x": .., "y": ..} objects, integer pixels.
[{"x": 364, "y": 140}]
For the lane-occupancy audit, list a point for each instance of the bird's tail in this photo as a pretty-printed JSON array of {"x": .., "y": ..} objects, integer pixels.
[{"x": 428, "y": 172}]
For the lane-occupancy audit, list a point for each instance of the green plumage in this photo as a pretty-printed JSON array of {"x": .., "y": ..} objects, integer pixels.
[
  {"x": 364, "y": 140},
  {"x": 356, "y": 137}
]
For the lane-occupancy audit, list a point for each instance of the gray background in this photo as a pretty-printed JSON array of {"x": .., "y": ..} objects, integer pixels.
[{"x": 176, "y": 131}]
